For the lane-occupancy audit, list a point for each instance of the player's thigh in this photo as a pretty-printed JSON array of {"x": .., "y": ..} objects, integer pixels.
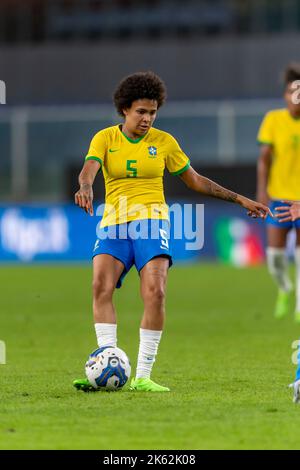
[
  {"x": 106, "y": 271},
  {"x": 154, "y": 275},
  {"x": 276, "y": 236}
]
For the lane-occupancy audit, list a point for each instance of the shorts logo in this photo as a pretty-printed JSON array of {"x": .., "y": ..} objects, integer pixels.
[{"x": 152, "y": 151}]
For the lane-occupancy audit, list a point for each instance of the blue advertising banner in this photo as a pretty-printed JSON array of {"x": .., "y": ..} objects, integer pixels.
[
  {"x": 220, "y": 231},
  {"x": 45, "y": 233}
]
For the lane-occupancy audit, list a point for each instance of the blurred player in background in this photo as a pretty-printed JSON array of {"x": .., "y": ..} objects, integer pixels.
[
  {"x": 278, "y": 180},
  {"x": 133, "y": 157}
]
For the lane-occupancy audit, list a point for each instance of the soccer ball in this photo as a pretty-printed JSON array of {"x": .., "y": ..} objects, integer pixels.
[{"x": 108, "y": 368}]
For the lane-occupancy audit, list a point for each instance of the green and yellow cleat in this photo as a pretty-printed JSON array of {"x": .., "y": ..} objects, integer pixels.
[
  {"x": 147, "y": 385},
  {"x": 84, "y": 385},
  {"x": 282, "y": 306}
]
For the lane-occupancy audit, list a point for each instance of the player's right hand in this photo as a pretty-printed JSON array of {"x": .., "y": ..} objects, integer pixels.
[{"x": 84, "y": 198}]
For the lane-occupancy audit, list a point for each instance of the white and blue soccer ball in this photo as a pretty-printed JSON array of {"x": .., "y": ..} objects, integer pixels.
[{"x": 108, "y": 368}]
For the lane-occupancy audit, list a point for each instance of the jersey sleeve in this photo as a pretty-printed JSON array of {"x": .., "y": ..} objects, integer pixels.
[
  {"x": 177, "y": 162},
  {"x": 266, "y": 131},
  {"x": 97, "y": 148}
]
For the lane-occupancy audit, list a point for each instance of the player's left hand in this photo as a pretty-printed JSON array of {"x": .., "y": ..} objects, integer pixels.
[
  {"x": 255, "y": 209},
  {"x": 289, "y": 212}
]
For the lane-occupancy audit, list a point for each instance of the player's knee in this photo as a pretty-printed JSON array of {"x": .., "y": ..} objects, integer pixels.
[
  {"x": 103, "y": 289},
  {"x": 154, "y": 293}
]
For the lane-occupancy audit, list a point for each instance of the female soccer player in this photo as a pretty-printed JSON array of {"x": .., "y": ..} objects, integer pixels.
[
  {"x": 133, "y": 156},
  {"x": 278, "y": 179}
]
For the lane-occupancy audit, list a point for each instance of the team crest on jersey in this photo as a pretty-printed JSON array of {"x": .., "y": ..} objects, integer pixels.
[{"x": 152, "y": 151}]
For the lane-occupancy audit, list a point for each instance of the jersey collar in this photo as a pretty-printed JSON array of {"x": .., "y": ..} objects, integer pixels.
[{"x": 132, "y": 141}]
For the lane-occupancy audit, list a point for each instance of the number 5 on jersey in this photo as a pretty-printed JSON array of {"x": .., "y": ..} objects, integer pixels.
[{"x": 131, "y": 170}]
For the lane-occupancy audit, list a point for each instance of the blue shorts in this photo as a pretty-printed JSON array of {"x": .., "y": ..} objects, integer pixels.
[
  {"x": 135, "y": 243},
  {"x": 275, "y": 222}
]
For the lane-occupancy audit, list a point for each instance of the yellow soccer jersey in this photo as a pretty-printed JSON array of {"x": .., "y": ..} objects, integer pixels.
[
  {"x": 133, "y": 173},
  {"x": 280, "y": 130}
]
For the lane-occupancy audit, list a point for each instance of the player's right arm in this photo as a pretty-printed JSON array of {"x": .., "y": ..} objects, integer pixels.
[
  {"x": 84, "y": 196},
  {"x": 263, "y": 170},
  {"x": 93, "y": 163}
]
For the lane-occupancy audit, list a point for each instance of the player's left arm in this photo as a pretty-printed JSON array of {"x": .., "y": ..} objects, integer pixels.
[
  {"x": 289, "y": 212},
  {"x": 203, "y": 185}
]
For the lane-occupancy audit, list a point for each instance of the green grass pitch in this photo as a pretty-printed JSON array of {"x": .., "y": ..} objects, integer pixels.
[{"x": 227, "y": 361}]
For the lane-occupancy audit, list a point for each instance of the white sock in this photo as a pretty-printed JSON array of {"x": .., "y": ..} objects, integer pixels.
[
  {"x": 278, "y": 267},
  {"x": 106, "y": 334},
  {"x": 297, "y": 261},
  {"x": 149, "y": 342}
]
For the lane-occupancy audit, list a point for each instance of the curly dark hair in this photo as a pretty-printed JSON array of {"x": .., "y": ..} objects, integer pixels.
[
  {"x": 292, "y": 73},
  {"x": 138, "y": 86}
]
